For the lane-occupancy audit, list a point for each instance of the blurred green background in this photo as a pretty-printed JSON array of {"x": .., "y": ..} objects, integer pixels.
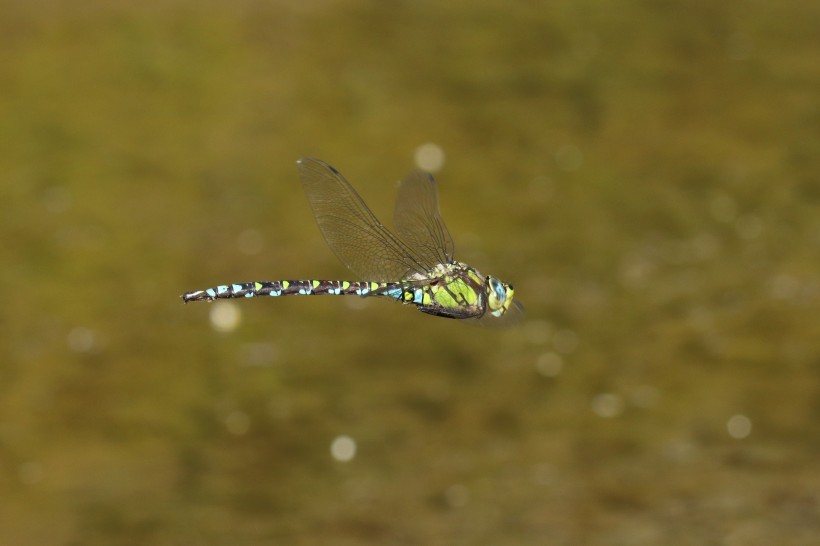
[{"x": 645, "y": 173}]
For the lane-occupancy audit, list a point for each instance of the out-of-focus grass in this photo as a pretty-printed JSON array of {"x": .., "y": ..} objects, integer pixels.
[{"x": 646, "y": 174}]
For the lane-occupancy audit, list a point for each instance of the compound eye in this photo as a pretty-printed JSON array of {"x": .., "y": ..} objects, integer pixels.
[{"x": 498, "y": 288}]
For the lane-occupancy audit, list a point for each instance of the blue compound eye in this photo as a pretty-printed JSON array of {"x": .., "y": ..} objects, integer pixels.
[{"x": 498, "y": 288}]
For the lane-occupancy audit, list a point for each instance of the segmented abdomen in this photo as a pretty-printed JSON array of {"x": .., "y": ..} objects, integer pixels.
[{"x": 293, "y": 288}]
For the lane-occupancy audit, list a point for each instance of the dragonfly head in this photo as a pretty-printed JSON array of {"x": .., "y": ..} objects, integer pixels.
[{"x": 499, "y": 296}]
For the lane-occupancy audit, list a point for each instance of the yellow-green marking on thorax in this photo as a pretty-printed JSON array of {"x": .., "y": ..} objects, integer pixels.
[{"x": 456, "y": 291}]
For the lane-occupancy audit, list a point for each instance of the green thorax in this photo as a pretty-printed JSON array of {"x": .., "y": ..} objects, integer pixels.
[{"x": 454, "y": 289}]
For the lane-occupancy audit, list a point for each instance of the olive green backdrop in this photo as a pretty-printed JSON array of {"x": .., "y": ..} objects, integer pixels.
[{"x": 646, "y": 174}]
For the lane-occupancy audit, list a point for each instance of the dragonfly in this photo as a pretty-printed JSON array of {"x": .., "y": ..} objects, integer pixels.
[{"x": 414, "y": 264}]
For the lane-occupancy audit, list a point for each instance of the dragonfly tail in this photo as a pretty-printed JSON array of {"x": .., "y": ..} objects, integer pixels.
[{"x": 288, "y": 288}]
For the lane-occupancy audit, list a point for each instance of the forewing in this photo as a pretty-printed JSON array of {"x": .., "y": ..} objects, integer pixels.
[
  {"x": 418, "y": 222},
  {"x": 354, "y": 233}
]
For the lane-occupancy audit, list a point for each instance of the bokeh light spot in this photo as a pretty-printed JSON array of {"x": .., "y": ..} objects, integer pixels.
[
  {"x": 81, "y": 340},
  {"x": 739, "y": 426},
  {"x": 225, "y": 316},
  {"x": 607, "y": 405},
  {"x": 429, "y": 157},
  {"x": 343, "y": 448},
  {"x": 784, "y": 286}
]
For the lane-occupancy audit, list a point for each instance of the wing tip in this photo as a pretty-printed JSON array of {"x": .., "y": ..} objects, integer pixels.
[{"x": 309, "y": 162}]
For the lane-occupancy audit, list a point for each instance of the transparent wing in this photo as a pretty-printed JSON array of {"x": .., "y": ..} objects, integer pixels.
[
  {"x": 354, "y": 233},
  {"x": 514, "y": 315},
  {"x": 418, "y": 222}
]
